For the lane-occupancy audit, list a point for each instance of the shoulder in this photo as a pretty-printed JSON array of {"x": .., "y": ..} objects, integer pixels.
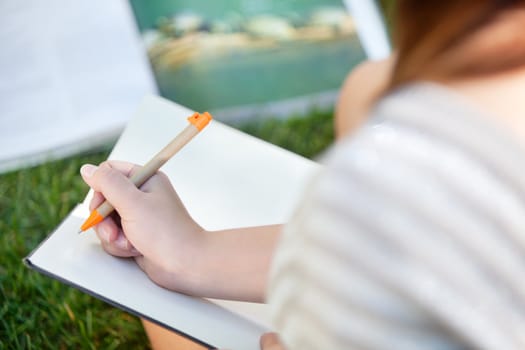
[
  {"x": 361, "y": 88},
  {"x": 418, "y": 193},
  {"x": 369, "y": 72}
]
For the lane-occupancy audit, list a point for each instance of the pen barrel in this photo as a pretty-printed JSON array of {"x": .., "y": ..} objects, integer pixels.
[
  {"x": 197, "y": 123},
  {"x": 151, "y": 167},
  {"x": 105, "y": 209}
]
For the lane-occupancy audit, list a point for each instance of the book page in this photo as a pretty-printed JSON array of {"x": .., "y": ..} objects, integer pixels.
[
  {"x": 80, "y": 260},
  {"x": 72, "y": 74},
  {"x": 226, "y": 179},
  {"x": 371, "y": 29}
]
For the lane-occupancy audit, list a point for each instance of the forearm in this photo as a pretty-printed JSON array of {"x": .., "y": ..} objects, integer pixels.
[{"x": 232, "y": 264}]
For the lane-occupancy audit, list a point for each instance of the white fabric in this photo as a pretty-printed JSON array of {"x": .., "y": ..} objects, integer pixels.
[{"x": 412, "y": 238}]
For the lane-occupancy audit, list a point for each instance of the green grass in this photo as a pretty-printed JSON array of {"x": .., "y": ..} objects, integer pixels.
[{"x": 37, "y": 312}]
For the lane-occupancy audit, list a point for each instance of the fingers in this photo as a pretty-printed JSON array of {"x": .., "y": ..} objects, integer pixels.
[
  {"x": 113, "y": 239},
  {"x": 158, "y": 181},
  {"x": 140, "y": 261},
  {"x": 271, "y": 341},
  {"x": 96, "y": 200},
  {"x": 121, "y": 247},
  {"x": 111, "y": 179},
  {"x": 108, "y": 230}
]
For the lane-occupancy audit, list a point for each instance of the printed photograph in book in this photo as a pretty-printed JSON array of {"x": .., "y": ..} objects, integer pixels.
[{"x": 241, "y": 58}]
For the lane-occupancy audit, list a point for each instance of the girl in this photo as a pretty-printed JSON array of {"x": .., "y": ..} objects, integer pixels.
[{"x": 412, "y": 238}]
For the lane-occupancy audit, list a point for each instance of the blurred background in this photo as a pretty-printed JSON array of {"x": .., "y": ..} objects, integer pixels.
[
  {"x": 270, "y": 68},
  {"x": 244, "y": 59}
]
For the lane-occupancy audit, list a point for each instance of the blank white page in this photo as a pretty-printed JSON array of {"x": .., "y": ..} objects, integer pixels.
[
  {"x": 226, "y": 179},
  {"x": 72, "y": 73}
]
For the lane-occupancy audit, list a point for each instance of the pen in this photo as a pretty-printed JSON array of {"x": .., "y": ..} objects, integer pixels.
[{"x": 197, "y": 122}]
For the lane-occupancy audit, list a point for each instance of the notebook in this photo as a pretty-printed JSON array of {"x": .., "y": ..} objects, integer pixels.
[{"x": 226, "y": 179}]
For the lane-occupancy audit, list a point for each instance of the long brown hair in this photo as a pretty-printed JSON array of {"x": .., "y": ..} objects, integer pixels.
[{"x": 447, "y": 39}]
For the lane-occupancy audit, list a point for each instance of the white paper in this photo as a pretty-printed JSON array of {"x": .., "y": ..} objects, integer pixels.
[
  {"x": 371, "y": 28},
  {"x": 226, "y": 179},
  {"x": 71, "y": 74}
]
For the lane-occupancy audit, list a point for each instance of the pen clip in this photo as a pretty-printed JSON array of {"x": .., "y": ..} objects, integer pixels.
[{"x": 200, "y": 120}]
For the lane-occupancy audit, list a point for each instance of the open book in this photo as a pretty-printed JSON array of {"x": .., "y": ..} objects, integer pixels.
[
  {"x": 71, "y": 79},
  {"x": 226, "y": 179}
]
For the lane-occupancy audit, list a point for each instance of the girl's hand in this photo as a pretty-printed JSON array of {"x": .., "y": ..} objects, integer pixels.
[
  {"x": 150, "y": 224},
  {"x": 270, "y": 341}
]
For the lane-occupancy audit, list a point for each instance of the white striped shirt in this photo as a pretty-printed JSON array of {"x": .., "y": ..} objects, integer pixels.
[{"x": 413, "y": 237}]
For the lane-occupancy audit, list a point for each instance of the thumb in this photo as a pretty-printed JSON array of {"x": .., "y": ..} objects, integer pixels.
[{"x": 114, "y": 185}]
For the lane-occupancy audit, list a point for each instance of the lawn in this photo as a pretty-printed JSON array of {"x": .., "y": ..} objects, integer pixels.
[{"x": 37, "y": 312}]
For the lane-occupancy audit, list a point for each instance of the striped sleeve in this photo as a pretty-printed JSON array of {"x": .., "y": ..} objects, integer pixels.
[{"x": 412, "y": 238}]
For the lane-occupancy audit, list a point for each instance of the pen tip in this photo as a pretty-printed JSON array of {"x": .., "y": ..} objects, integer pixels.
[{"x": 80, "y": 231}]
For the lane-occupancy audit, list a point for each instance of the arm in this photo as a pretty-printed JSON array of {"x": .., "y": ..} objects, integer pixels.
[
  {"x": 236, "y": 262},
  {"x": 229, "y": 264},
  {"x": 154, "y": 228}
]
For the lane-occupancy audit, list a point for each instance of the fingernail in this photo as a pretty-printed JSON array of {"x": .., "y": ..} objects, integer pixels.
[
  {"x": 121, "y": 242},
  {"x": 104, "y": 234},
  {"x": 88, "y": 170}
]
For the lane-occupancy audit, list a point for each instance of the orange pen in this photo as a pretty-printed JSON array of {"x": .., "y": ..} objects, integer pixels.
[{"x": 197, "y": 123}]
